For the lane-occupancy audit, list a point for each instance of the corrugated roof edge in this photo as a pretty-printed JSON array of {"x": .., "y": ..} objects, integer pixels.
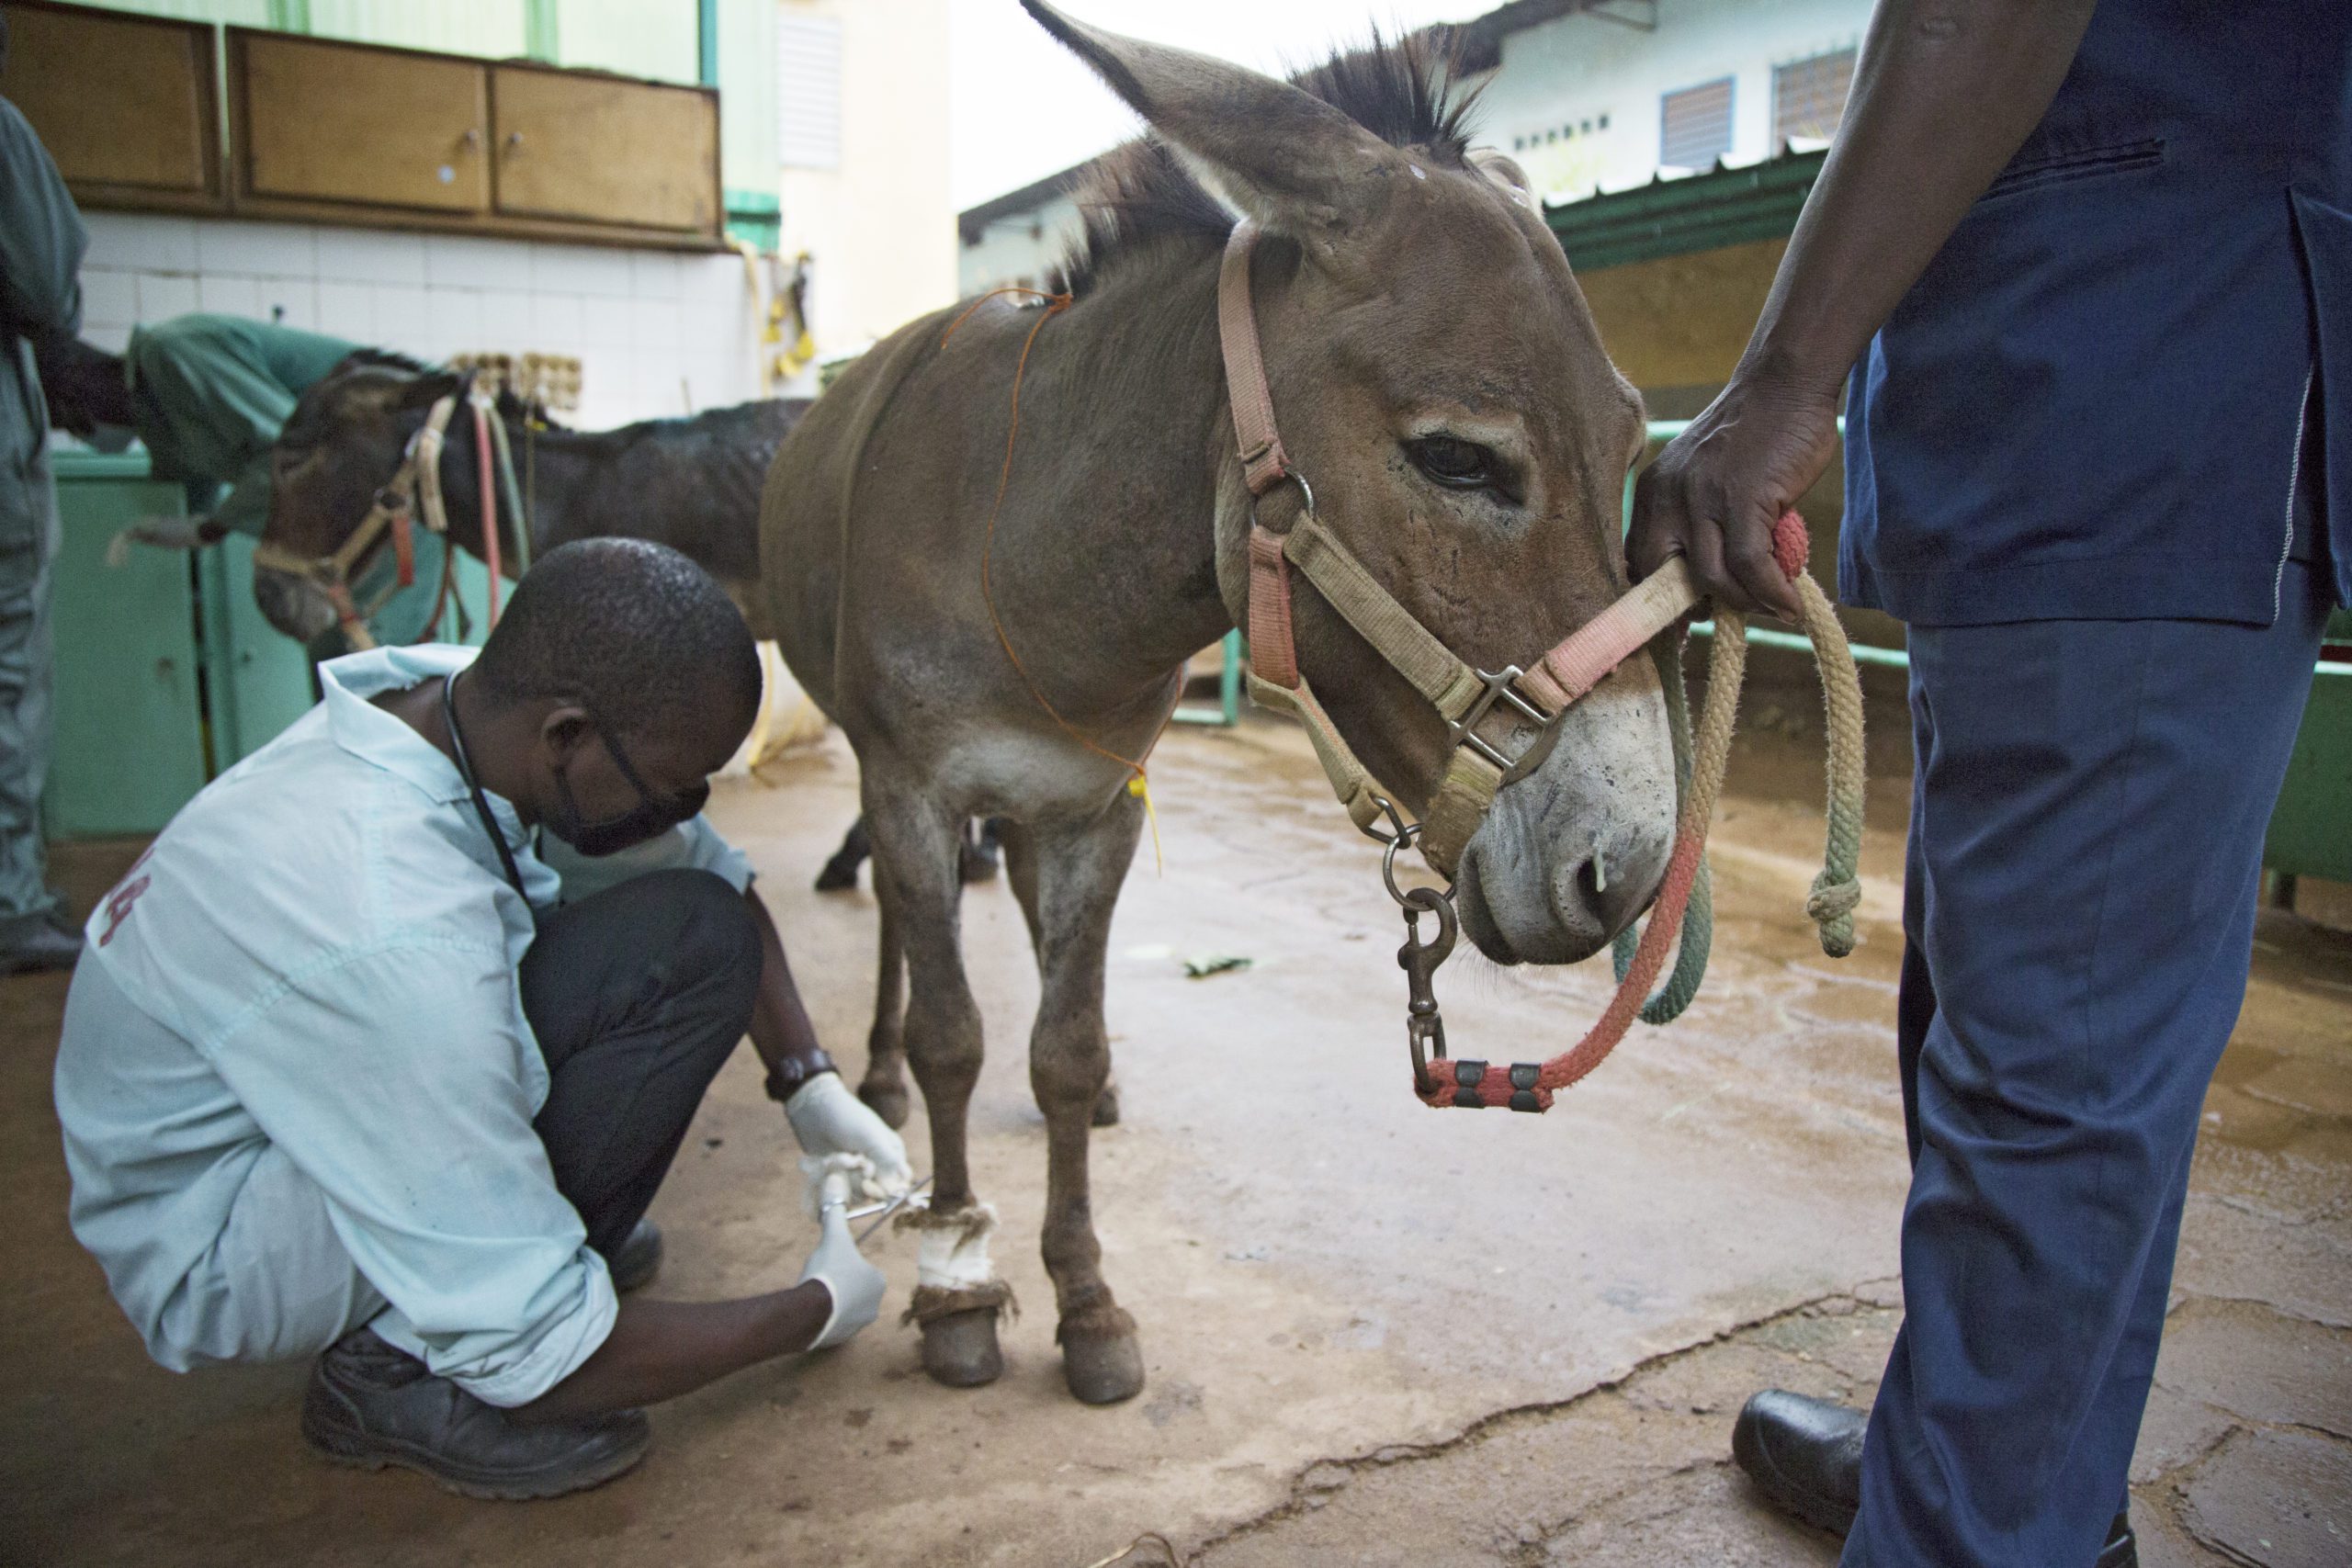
[{"x": 1667, "y": 217}]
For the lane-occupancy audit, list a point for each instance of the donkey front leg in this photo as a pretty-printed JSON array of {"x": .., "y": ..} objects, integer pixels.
[
  {"x": 958, "y": 1294},
  {"x": 1079, "y": 868}
]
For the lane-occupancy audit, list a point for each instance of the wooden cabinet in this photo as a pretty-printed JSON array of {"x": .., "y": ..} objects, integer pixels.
[
  {"x": 349, "y": 122},
  {"x": 124, "y": 104},
  {"x": 355, "y": 133},
  {"x": 605, "y": 149}
]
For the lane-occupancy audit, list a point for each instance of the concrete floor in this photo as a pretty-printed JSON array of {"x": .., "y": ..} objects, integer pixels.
[{"x": 1375, "y": 1335}]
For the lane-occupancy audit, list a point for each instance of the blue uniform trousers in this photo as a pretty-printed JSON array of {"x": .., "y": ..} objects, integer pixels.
[{"x": 2088, "y": 813}]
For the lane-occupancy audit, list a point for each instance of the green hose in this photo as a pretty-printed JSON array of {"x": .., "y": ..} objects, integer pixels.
[{"x": 1699, "y": 920}]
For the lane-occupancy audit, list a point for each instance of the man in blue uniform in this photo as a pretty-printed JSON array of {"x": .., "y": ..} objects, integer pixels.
[{"x": 2092, "y": 276}]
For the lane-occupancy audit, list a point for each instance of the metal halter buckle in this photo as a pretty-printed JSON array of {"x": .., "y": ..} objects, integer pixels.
[{"x": 1501, "y": 686}]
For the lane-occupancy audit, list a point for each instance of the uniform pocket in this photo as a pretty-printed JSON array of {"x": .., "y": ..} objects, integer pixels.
[{"x": 2056, "y": 168}]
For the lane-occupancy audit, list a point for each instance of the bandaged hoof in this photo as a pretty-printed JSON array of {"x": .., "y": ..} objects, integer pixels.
[
  {"x": 960, "y": 1350},
  {"x": 887, "y": 1099},
  {"x": 1107, "y": 1106},
  {"x": 957, "y": 1295},
  {"x": 1102, "y": 1360}
]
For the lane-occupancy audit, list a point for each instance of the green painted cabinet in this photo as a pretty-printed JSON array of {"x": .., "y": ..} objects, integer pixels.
[
  {"x": 130, "y": 723},
  {"x": 257, "y": 681}
]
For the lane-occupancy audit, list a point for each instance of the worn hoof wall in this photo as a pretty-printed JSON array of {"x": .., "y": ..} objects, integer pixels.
[
  {"x": 1103, "y": 1368},
  {"x": 1106, "y": 1109},
  {"x": 887, "y": 1100},
  {"x": 960, "y": 1350},
  {"x": 837, "y": 877}
]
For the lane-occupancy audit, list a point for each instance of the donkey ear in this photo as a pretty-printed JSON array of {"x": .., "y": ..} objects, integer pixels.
[{"x": 1283, "y": 156}]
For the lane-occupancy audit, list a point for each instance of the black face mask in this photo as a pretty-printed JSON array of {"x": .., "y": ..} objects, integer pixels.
[{"x": 651, "y": 815}]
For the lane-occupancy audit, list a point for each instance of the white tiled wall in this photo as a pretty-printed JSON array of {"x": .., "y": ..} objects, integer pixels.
[{"x": 652, "y": 329}]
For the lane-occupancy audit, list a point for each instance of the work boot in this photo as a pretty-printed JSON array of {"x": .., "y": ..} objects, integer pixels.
[
  {"x": 46, "y": 949},
  {"x": 1805, "y": 1455},
  {"x": 639, "y": 1260},
  {"x": 371, "y": 1405}
]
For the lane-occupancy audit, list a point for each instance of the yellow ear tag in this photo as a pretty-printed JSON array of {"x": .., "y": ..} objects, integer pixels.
[{"x": 1140, "y": 788}]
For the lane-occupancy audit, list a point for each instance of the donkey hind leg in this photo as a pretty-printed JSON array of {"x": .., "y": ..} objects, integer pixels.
[
  {"x": 1079, "y": 869},
  {"x": 885, "y": 1085},
  {"x": 1020, "y": 868},
  {"x": 915, "y": 858},
  {"x": 841, "y": 872}
]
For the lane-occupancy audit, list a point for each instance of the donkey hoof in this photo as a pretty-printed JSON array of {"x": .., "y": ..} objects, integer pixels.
[
  {"x": 887, "y": 1100},
  {"x": 1103, "y": 1368},
  {"x": 960, "y": 1349},
  {"x": 839, "y": 876},
  {"x": 1106, "y": 1106}
]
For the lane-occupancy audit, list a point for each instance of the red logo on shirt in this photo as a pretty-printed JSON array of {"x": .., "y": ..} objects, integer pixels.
[{"x": 120, "y": 901}]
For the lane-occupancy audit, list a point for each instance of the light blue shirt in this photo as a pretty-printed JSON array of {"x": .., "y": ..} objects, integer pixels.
[{"x": 295, "y": 1082}]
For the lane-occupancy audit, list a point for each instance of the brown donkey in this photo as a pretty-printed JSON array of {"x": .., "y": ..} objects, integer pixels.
[{"x": 1440, "y": 383}]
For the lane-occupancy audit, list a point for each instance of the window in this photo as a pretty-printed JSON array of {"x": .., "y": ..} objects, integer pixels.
[
  {"x": 1809, "y": 96},
  {"x": 1695, "y": 126},
  {"x": 808, "y": 92}
]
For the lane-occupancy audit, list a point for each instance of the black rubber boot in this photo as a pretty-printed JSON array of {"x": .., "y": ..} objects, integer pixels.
[
  {"x": 639, "y": 1258},
  {"x": 977, "y": 857},
  {"x": 371, "y": 1405},
  {"x": 841, "y": 872},
  {"x": 1805, "y": 1455},
  {"x": 46, "y": 949}
]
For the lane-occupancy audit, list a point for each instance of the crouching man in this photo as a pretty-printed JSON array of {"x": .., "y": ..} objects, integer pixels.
[{"x": 350, "y": 1071}]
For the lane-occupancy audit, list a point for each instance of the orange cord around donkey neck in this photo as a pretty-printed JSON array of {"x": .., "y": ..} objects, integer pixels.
[{"x": 1139, "y": 780}]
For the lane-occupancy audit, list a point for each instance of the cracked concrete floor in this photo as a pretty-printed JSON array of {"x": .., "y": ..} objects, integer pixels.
[{"x": 1373, "y": 1334}]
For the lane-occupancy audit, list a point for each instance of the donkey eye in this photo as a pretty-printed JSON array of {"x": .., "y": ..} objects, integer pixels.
[{"x": 1452, "y": 462}]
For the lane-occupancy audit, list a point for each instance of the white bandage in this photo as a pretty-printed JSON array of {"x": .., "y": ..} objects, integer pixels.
[{"x": 952, "y": 1251}]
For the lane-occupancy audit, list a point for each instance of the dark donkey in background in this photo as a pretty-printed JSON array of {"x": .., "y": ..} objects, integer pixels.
[{"x": 693, "y": 484}]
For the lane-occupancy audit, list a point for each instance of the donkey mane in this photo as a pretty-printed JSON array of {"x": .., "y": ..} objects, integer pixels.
[{"x": 1406, "y": 90}]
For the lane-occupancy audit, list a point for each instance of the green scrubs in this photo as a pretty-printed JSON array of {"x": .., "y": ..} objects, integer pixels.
[
  {"x": 209, "y": 394},
  {"x": 42, "y": 242}
]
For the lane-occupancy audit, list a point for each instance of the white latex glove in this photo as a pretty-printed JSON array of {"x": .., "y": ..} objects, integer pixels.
[
  {"x": 856, "y": 1285},
  {"x": 829, "y": 1119}
]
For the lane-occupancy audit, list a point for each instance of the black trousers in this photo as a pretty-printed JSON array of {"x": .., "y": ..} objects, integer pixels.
[{"x": 637, "y": 996}]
